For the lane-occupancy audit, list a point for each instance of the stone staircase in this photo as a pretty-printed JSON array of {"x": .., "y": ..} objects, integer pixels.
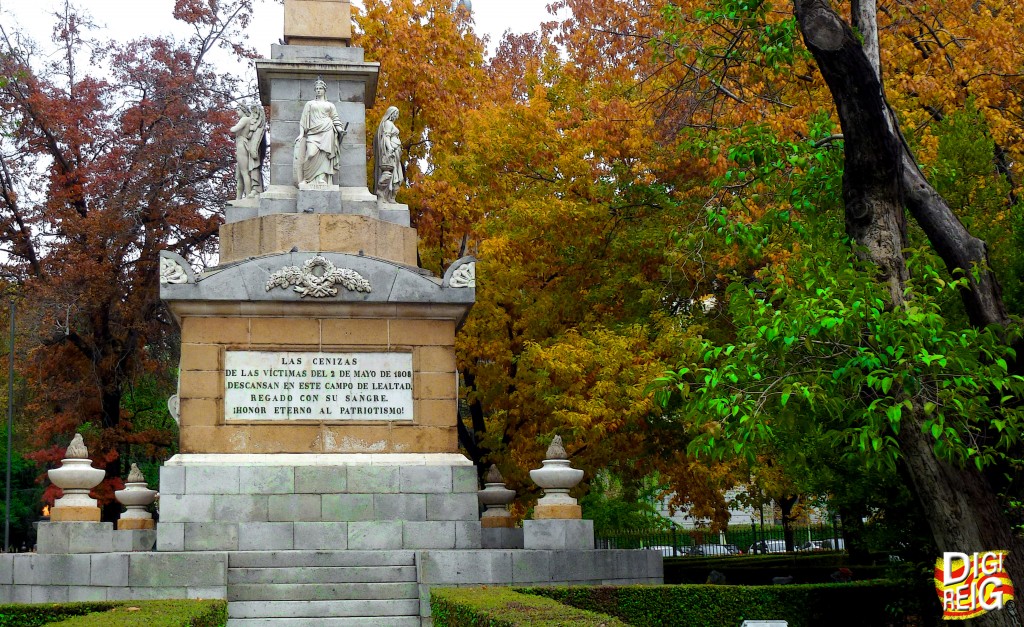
[{"x": 322, "y": 589}]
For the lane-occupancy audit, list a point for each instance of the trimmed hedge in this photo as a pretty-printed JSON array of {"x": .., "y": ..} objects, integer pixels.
[
  {"x": 504, "y": 607},
  {"x": 24, "y": 615},
  {"x": 837, "y": 605},
  {"x": 759, "y": 575},
  {"x": 176, "y": 613}
]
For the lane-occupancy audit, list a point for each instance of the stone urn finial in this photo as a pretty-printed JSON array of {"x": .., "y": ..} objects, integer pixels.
[
  {"x": 556, "y": 477},
  {"x": 77, "y": 448},
  {"x": 136, "y": 497},
  {"x": 135, "y": 475},
  {"x": 76, "y": 477},
  {"x": 495, "y": 497},
  {"x": 556, "y": 450}
]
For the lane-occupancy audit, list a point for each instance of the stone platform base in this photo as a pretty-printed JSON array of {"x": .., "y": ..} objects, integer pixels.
[
  {"x": 574, "y": 535},
  {"x": 75, "y": 514},
  {"x": 91, "y": 537},
  {"x": 501, "y": 538},
  {"x": 278, "y": 583},
  {"x": 318, "y": 502}
]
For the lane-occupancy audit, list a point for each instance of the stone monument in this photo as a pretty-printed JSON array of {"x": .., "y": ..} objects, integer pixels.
[
  {"x": 317, "y": 399},
  {"x": 319, "y": 478}
]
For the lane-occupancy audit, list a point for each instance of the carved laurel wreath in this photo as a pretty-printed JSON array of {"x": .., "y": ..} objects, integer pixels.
[{"x": 307, "y": 282}]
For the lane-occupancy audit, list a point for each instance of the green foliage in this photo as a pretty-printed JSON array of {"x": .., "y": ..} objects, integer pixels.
[
  {"x": 819, "y": 352},
  {"x": 966, "y": 173},
  {"x": 26, "y": 494},
  {"x": 504, "y": 607},
  {"x": 839, "y": 605},
  {"x": 175, "y": 613},
  {"x": 613, "y": 505},
  {"x": 18, "y": 615}
]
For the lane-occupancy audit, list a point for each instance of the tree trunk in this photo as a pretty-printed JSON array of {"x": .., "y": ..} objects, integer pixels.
[
  {"x": 963, "y": 511},
  {"x": 786, "y": 504}
]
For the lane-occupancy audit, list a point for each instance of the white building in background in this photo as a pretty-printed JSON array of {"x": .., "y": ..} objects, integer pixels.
[{"x": 739, "y": 515}]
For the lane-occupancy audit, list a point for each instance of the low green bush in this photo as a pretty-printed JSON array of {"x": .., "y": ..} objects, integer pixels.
[
  {"x": 751, "y": 575},
  {"x": 837, "y": 605},
  {"x": 24, "y": 615},
  {"x": 504, "y": 607},
  {"x": 175, "y": 613}
]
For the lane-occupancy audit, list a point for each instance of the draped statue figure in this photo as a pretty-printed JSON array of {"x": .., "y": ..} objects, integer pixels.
[
  {"x": 318, "y": 146},
  {"x": 388, "y": 174},
  {"x": 250, "y": 150}
]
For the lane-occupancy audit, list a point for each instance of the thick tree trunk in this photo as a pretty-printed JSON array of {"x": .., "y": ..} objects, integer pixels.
[{"x": 880, "y": 176}]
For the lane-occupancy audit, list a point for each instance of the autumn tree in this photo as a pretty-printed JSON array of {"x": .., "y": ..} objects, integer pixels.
[
  {"x": 432, "y": 69},
  {"x": 111, "y": 153},
  {"x": 762, "y": 65}
]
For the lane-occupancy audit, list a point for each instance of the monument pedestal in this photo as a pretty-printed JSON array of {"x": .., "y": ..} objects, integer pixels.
[{"x": 318, "y": 502}]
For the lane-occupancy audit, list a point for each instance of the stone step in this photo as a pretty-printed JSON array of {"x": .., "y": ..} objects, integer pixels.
[
  {"x": 326, "y": 609},
  {"x": 291, "y": 559},
  {"x": 320, "y": 574},
  {"x": 322, "y": 591},
  {"x": 352, "y": 621}
]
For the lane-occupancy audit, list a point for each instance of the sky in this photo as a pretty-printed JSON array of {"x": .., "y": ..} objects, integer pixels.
[{"x": 127, "y": 19}]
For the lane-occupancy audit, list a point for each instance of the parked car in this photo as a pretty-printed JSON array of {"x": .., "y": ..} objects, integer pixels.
[
  {"x": 812, "y": 545},
  {"x": 668, "y": 551},
  {"x": 705, "y": 550},
  {"x": 768, "y": 546},
  {"x": 832, "y": 544}
]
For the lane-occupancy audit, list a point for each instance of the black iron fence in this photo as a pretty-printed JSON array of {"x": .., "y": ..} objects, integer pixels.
[{"x": 739, "y": 539}]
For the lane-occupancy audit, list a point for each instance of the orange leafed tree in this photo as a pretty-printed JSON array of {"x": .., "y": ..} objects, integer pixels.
[{"x": 99, "y": 172}]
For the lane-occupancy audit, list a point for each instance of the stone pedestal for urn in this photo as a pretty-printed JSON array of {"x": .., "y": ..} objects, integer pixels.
[
  {"x": 136, "y": 497},
  {"x": 76, "y": 477},
  {"x": 557, "y": 519},
  {"x": 498, "y": 528},
  {"x": 495, "y": 497}
]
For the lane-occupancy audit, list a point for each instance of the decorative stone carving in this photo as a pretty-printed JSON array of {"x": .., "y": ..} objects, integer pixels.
[
  {"x": 171, "y": 271},
  {"x": 136, "y": 497},
  {"x": 495, "y": 497},
  {"x": 174, "y": 408},
  {"x": 464, "y": 276},
  {"x": 388, "y": 173},
  {"x": 556, "y": 477},
  {"x": 77, "y": 449},
  {"x": 318, "y": 146},
  {"x": 317, "y": 278},
  {"x": 557, "y": 450},
  {"x": 250, "y": 150},
  {"x": 174, "y": 269},
  {"x": 76, "y": 477},
  {"x": 135, "y": 475}
]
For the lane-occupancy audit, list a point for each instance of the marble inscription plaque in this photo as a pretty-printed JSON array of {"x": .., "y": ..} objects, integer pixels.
[{"x": 282, "y": 386}]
